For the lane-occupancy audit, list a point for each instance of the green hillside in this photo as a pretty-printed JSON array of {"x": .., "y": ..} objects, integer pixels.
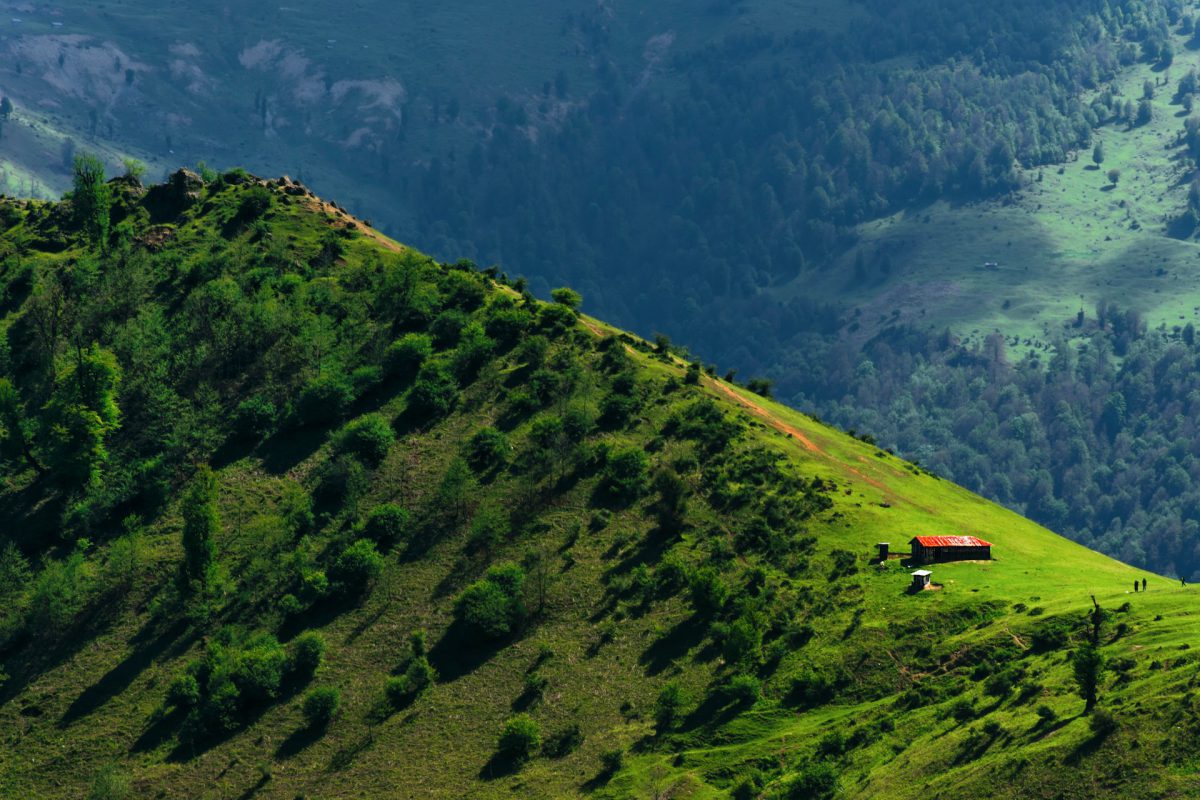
[{"x": 292, "y": 510}]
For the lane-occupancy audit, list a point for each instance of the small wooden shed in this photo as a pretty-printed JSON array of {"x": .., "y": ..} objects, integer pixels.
[
  {"x": 921, "y": 580},
  {"x": 884, "y": 550}
]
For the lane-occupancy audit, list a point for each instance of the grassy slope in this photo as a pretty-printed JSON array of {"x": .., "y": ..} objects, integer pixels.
[
  {"x": 1063, "y": 242},
  {"x": 90, "y": 700}
]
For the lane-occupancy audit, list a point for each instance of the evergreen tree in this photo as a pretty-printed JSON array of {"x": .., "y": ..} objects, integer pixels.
[
  {"x": 200, "y": 525},
  {"x": 92, "y": 198}
]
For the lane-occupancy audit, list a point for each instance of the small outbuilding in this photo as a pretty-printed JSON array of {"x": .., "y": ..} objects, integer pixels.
[
  {"x": 884, "y": 548},
  {"x": 932, "y": 549},
  {"x": 921, "y": 580}
]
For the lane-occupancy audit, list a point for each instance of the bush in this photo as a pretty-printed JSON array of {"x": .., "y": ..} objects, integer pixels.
[
  {"x": 519, "y": 739},
  {"x": 255, "y": 418},
  {"x": 357, "y": 567},
  {"x": 420, "y": 675},
  {"x": 811, "y": 781},
  {"x": 398, "y": 691},
  {"x": 474, "y": 350},
  {"x": 435, "y": 391},
  {"x": 321, "y": 706},
  {"x": 709, "y": 592},
  {"x": 625, "y": 473},
  {"x": 387, "y": 524},
  {"x": 668, "y": 706},
  {"x": 611, "y": 761},
  {"x": 110, "y": 784},
  {"x": 184, "y": 692},
  {"x": 367, "y": 439},
  {"x": 1050, "y": 636},
  {"x": 324, "y": 400},
  {"x": 495, "y": 606},
  {"x": 487, "y": 450},
  {"x": 406, "y": 355},
  {"x": 963, "y": 710},
  {"x": 448, "y": 327},
  {"x": 567, "y": 297},
  {"x": 1046, "y": 715},
  {"x": 308, "y": 651},
  {"x": 743, "y": 690}
]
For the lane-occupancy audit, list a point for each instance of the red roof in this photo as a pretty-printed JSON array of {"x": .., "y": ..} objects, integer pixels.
[{"x": 951, "y": 541}]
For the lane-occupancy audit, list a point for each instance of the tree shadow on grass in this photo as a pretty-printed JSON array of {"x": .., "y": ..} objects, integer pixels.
[
  {"x": 160, "y": 730},
  {"x": 460, "y": 652},
  {"x": 500, "y": 765},
  {"x": 287, "y": 449},
  {"x": 299, "y": 741},
  {"x": 344, "y": 758},
  {"x": 686, "y": 635},
  {"x": 716, "y": 710},
  {"x": 119, "y": 678}
]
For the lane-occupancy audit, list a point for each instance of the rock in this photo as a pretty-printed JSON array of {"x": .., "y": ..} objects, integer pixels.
[{"x": 181, "y": 191}]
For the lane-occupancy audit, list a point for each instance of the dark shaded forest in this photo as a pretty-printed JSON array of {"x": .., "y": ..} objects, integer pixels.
[
  {"x": 1099, "y": 440},
  {"x": 747, "y": 167}
]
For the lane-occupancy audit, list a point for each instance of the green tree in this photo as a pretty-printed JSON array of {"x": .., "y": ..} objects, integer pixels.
[
  {"x": 567, "y": 297},
  {"x": 668, "y": 706},
  {"x": 91, "y": 197},
  {"x": 321, "y": 706},
  {"x": 1088, "y": 667},
  {"x": 6, "y": 108},
  {"x": 1114, "y": 175},
  {"x": 201, "y": 522},
  {"x": 1098, "y": 154},
  {"x": 80, "y": 416},
  {"x": 520, "y": 739}
]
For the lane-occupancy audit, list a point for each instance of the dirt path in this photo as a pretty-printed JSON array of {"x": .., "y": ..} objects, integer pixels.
[{"x": 774, "y": 421}]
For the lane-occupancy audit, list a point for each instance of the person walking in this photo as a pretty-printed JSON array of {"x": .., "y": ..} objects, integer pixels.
[{"x": 1143, "y": 584}]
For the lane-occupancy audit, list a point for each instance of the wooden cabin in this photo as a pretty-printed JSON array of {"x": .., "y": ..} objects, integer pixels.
[{"x": 933, "y": 549}]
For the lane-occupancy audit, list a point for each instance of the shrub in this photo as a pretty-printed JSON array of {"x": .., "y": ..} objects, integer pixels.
[
  {"x": 321, "y": 706},
  {"x": 408, "y": 354},
  {"x": 324, "y": 400},
  {"x": 1049, "y": 636},
  {"x": 668, "y": 706},
  {"x": 398, "y": 691},
  {"x": 474, "y": 350},
  {"x": 184, "y": 692},
  {"x": 357, "y": 567},
  {"x": 811, "y": 781},
  {"x": 611, "y": 761},
  {"x": 308, "y": 651},
  {"x": 387, "y": 524},
  {"x": 448, "y": 327},
  {"x": 110, "y": 784},
  {"x": 489, "y": 528},
  {"x": 495, "y": 606},
  {"x": 535, "y": 686},
  {"x": 420, "y": 675},
  {"x": 367, "y": 439},
  {"x": 519, "y": 739},
  {"x": 709, "y": 592},
  {"x": 567, "y": 297},
  {"x": 625, "y": 473},
  {"x": 435, "y": 392},
  {"x": 810, "y": 689},
  {"x": 743, "y": 690},
  {"x": 488, "y": 449},
  {"x": 255, "y": 418},
  {"x": 1046, "y": 715},
  {"x": 963, "y": 710}
]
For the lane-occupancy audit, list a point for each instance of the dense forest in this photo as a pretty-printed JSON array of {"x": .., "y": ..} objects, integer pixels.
[
  {"x": 1095, "y": 437},
  {"x": 747, "y": 167}
]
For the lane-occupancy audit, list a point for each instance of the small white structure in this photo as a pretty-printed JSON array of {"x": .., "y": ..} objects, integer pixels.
[{"x": 921, "y": 580}]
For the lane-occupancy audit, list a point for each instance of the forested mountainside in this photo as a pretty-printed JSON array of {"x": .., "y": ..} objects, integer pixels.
[{"x": 293, "y": 510}]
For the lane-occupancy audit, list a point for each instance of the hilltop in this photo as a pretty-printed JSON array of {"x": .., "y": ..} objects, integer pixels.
[{"x": 291, "y": 509}]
